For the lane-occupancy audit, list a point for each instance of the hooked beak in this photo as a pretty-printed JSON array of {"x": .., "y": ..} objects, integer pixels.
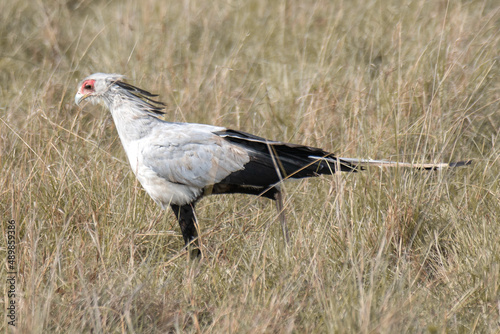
[{"x": 79, "y": 97}]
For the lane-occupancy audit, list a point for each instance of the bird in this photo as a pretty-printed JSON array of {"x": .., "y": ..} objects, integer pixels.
[{"x": 179, "y": 163}]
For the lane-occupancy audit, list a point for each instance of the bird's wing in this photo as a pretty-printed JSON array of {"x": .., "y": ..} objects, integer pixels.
[
  {"x": 293, "y": 160},
  {"x": 192, "y": 155}
]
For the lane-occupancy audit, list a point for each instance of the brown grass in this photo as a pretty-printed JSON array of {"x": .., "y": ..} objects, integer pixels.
[{"x": 374, "y": 252}]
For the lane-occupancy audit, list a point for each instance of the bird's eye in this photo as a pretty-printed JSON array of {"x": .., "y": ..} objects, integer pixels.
[{"x": 88, "y": 85}]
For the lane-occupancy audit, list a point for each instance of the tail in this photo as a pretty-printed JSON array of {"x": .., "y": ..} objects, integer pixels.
[{"x": 362, "y": 163}]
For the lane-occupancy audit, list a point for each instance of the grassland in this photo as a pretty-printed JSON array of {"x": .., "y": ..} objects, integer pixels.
[{"x": 384, "y": 251}]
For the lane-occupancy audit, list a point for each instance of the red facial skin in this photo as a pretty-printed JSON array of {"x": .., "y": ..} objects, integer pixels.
[{"x": 87, "y": 87}]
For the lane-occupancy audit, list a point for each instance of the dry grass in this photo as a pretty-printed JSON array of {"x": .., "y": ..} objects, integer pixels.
[{"x": 374, "y": 252}]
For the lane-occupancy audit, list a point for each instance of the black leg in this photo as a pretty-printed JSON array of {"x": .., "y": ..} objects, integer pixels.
[{"x": 187, "y": 222}]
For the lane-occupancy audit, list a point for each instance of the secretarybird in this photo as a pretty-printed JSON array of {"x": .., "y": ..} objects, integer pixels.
[{"x": 179, "y": 163}]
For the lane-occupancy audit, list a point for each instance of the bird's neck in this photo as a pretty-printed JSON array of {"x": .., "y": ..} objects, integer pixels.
[{"x": 132, "y": 123}]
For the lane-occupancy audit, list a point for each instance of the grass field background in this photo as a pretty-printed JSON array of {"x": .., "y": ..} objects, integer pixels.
[{"x": 383, "y": 251}]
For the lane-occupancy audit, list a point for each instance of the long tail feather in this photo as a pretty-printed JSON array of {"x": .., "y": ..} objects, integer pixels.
[{"x": 386, "y": 163}]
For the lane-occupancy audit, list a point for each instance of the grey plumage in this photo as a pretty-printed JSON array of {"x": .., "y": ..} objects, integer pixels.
[{"x": 178, "y": 163}]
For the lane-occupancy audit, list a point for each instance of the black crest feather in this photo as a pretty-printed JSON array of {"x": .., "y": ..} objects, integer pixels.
[{"x": 154, "y": 106}]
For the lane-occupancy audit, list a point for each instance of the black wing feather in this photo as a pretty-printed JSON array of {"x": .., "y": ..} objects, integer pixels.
[{"x": 273, "y": 161}]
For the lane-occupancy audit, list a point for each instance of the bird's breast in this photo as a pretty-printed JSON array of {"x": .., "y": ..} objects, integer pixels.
[
  {"x": 165, "y": 192},
  {"x": 161, "y": 190}
]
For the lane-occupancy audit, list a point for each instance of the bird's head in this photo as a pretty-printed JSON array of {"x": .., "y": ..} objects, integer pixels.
[
  {"x": 106, "y": 88},
  {"x": 96, "y": 87}
]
